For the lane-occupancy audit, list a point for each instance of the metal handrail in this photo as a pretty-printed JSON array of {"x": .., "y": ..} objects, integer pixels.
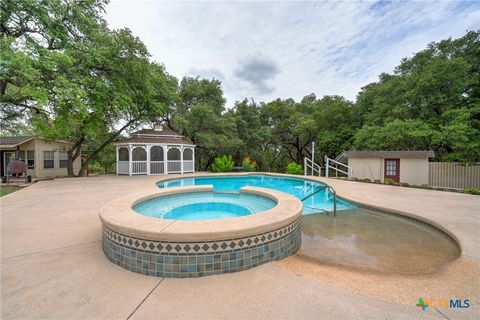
[
  {"x": 313, "y": 193},
  {"x": 334, "y": 200}
]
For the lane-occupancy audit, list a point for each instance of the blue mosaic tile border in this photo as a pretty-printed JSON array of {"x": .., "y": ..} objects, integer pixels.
[{"x": 180, "y": 263}]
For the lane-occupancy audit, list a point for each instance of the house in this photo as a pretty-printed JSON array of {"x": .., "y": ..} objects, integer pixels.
[
  {"x": 401, "y": 166},
  {"x": 155, "y": 151},
  {"x": 45, "y": 159}
]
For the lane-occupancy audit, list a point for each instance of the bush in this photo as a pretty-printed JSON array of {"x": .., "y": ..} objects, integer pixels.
[
  {"x": 472, "y": 191},
  {"x": 223, "y": 164},
  {"x": 389, "y": 182},
  {"x": 365, "y": 180},
  {"x": 294, "y": 168},
  {"x": 249, "y": 164}
]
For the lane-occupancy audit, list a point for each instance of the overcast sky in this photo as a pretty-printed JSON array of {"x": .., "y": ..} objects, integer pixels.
[{"x": 267, "y": 50}]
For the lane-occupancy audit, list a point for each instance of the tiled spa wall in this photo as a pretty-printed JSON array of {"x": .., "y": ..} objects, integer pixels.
[{"x": 197, "y": 259}]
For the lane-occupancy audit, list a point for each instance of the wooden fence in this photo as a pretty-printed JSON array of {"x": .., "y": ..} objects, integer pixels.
[{"x": 454, "y": 175}]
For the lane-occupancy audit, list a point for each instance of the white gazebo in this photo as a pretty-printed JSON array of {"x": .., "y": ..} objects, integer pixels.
[{"x": 155, "y": 151}]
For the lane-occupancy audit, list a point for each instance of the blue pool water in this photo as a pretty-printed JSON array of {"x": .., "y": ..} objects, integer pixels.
[
  {"x": 315, "y": 197},
  {"x": 204, "y": 206}
]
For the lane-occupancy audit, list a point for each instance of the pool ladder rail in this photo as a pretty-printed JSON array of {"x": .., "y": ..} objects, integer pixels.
[{"x": 334, "y": 198}]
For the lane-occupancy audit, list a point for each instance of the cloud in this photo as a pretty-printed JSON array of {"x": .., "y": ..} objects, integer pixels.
[
  {"x": 306, "y": 47},
  {"x": 258, "y": 71},
  {"x": 207, "y": 73}
]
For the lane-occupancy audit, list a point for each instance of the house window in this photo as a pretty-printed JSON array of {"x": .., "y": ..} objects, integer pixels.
[
  {"x": 63, "y": 159},
  {"x": 48, "y": 157},
  {"x": 31, "y": 159}
]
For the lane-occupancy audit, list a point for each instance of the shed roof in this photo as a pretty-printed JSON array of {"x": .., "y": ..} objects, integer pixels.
[
  {"x": 13, "y": 142},
  {"x": 386, "y": 154}
]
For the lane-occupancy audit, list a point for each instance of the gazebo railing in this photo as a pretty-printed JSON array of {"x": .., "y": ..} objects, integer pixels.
[
  {"x": 188, "y": 166},
  {"x": 174, "y": 166},
  {"x": 139, "y": 167},
  {"x": 157, "y": 167},
  {"x": 123, "y": 167}
]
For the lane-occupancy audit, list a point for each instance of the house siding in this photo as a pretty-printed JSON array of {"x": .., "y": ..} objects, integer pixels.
[
  {"x": 56, "y": 146},
  {"x": 367, "y": 168},
  {"x": 414, "y": 171}
]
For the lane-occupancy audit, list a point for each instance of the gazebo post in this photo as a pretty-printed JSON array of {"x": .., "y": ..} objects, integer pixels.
[
  {"x": 148, "y": 159},
  {"x": 129, "y": 159},
  {"x": 181, "y": 159},
  {"x": 116, "y": 157},
  {"x": 165, "y": 159},
  {"x": 193, "y": 159}
]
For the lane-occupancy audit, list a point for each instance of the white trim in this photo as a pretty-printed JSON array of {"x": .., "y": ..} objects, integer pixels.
[
  {"x": 165, "y": 159},
  {"x": 130, "y": 156},
  {"x": 5, "y": 159}
]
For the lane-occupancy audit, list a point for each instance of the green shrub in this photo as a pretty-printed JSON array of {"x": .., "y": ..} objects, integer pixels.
[
  {"x": 377, "y": 181},
  {"x": 223, "y": 164},
  {"x": 389, "y": 182},
  {"x": 294, "y": 168},
  {"x": 365, "y": 180},
  {"x": 472, "y": 191}
]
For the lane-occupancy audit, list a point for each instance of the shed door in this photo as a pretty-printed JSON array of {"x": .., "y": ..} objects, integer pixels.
[{"x": 392, "y": 169}]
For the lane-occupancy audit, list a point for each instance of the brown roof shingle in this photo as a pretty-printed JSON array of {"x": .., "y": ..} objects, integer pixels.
[
  {"x": 165, "y": 140},
  {"x": 165, "y": 132},
  {"x": 14, "y": 141}
]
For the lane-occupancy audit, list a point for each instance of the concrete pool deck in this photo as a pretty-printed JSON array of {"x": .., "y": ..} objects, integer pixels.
[{"x": 52, "y": 264}]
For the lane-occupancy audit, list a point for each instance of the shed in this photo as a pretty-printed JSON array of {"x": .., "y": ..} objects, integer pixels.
[{"x": 400, "y": 166}]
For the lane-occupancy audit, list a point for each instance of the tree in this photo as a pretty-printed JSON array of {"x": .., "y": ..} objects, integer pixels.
[
  {"x": 294, "y": 130},
  {"x": 120, "y": 89},
  {"x": 255, "y": 135},
  {"x": 437, "y": 89},
  {"x": 80, "y": 81},
  {"x": 199, "y": 115},
  {"x": 33, "y": 36},
  {"x": 337, "y": 121},
  {"x": 396, "y": 135}
]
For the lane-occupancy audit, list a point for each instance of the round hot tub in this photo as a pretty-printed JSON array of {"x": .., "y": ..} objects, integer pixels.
[
  {"x": 204, "y": 206},
  {"x": 193, "y": 232}
]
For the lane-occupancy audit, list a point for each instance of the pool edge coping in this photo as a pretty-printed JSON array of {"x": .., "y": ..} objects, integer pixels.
[{"x": 119, "y": 216}]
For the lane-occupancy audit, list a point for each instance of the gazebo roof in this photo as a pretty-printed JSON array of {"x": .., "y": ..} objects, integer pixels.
[
  {"x": 155, "y": 132},
  {"x": 156, "y": 140},
  {"x": 156, "y": 136}
]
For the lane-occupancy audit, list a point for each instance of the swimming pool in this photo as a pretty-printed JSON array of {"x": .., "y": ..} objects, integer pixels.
[
  {"x": 315, "y": 196},
  {"x": 204, "y": 206}
]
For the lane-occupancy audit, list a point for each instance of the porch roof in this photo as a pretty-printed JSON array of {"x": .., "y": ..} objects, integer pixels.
[{"x": 12, "y": 142}]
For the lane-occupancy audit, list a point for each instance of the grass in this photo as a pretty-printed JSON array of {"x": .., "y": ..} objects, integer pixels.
[{"x": 6, "y": 190}]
